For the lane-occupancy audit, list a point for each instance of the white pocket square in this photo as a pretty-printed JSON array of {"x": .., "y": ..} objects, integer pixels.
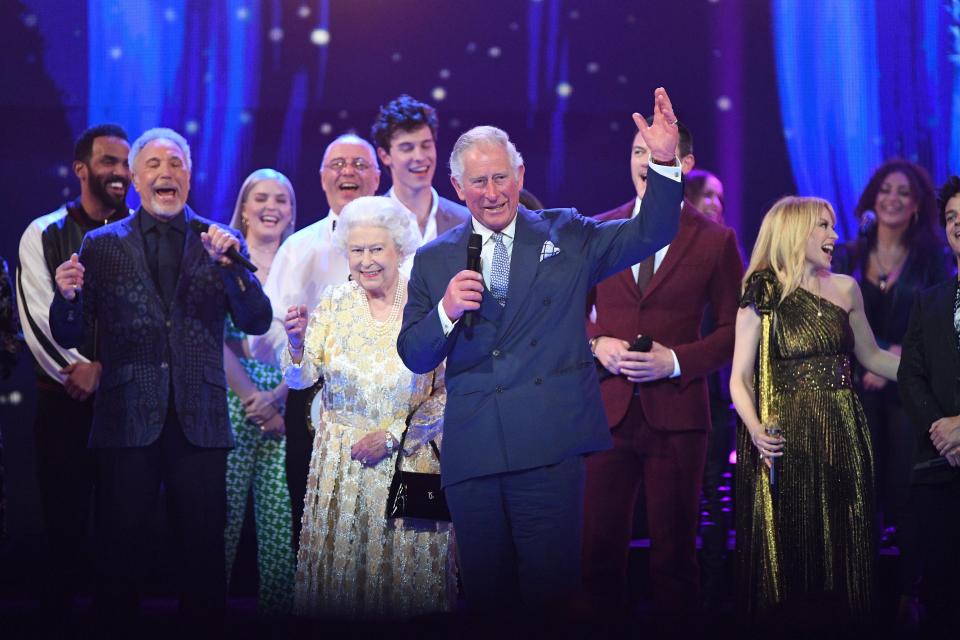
[{"x": 548, "y": 251}]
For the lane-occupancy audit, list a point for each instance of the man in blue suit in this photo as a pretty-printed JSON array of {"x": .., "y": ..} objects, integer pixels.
[
  {"x": 155, "y": 294},
  {"x": 523, "y": 405}
]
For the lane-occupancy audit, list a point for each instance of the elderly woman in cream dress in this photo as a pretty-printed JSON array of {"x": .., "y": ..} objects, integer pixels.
[{"x": 353, "y": 561}]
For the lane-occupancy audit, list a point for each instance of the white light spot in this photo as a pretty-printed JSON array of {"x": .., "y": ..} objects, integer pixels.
[
  {"x": 77, "y": 33},
  {"x": 208, "y": 77},
  {"x": 66, "y": 192},
  {"x": 243, "y": 13},
  {"x": 614, "y": 126},
  {"x": 713, "y": 1},
  {"x": 622, "y": 79},
  {"x": 396, "y": 57},
  {"x": 787, "y": 134},
  {"x": 63, "y": 171},
  {"x": 724, "y": 103},
  {"x": 303, "y": 11},
  {"x": 326, "y": 128},
  {"x": 320, "y": 37},
  {"x": 191, "y": 126},
  {"x": 593, "y": 67},
  {"x": 342, "y": 114},
  {"x": 439, "y": 93},
  {"x": 276, "y": 34},
  {"x": 493, "y": 52},
  {"x": 574, "y": 15},
  {"x": 471, "y": 47},
  {"x": 245, "y": 117},
  {"x": 514, "y": 26},
  {"x": 444, "y": 73},
  {"x": 170, "y": 15},
  {"x": 15, "y": 397},
  {"x": 116, "y": 53},
  {"x": 30, "y": 20},
  {"x": 564, "y": 89},
  {"x": 716, "y": 53},
  {"x": 454, "y": 123},
  {"x": 202, "y": 176}
]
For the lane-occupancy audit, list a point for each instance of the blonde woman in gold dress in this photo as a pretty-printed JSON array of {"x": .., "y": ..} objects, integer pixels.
[
  {"x": 352, "y": 561},
  {"x": 810, "y": 537}
]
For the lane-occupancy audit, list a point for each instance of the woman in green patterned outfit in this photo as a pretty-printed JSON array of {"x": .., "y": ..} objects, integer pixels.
[{"x": 265, "y": 213}]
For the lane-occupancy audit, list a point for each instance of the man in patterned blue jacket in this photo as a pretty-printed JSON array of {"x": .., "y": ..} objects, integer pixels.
[{"x": 155, "y": 295}]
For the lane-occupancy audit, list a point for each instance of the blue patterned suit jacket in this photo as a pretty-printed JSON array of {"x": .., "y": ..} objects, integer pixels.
[
  {"x": 522, "y": 393},
  {"x": 147, "y": 349}
]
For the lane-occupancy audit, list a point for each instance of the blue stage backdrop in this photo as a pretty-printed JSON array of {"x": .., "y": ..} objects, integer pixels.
[{"x": 863, "y": 81}]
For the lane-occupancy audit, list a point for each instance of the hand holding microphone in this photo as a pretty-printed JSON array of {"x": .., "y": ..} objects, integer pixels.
[{"x": 222, "y": 245}]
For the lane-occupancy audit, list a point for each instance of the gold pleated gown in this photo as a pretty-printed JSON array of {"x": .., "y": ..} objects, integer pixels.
[{"x": 814, "y": 535}]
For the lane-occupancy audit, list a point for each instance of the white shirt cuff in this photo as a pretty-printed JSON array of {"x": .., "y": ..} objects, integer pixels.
[
  {"x": 673, "y": 173},
  {"x": 446, "y": 323},
  {"x": 676, "y": 365}
]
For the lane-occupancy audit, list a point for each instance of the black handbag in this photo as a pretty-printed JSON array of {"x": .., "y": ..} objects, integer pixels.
[{"x": 416, "y": 495}]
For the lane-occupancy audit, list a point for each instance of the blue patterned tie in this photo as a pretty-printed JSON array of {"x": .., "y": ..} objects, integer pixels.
[{"x": 500, "y": 270}]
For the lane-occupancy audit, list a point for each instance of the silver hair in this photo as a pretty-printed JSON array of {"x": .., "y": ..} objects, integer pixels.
[
  {"x": 352, "y": 138},
  {"x": 252, "y": 180},
  {"x": 482, "y": 135},
  {"x": 376, "y": 211},
  {"x": 158, "y": 133}
]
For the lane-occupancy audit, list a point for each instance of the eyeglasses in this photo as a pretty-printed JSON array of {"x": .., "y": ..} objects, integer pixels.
[{"x": 339, "y": 164}]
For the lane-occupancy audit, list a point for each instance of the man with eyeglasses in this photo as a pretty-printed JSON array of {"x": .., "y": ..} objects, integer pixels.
[{"x": 304, "y": 266}]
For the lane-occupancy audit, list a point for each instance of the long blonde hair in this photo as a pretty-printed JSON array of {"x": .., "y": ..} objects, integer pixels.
[
  {"x": 781, "y": 242},
  {"x": 258, "y": 176}
]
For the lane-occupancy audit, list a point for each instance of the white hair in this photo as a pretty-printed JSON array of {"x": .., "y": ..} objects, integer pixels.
[
  {"x": 376, "y": 211},
  {"x": 482, "y": 135},
  {"x": 352, "y": 138},
  {"x": 158, "y": 133}
]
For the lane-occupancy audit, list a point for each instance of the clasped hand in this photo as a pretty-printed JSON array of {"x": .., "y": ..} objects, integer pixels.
[
  {"x": 638, "y": 366},
  {"x": 945, "y": 435},
  {"x": 371, "y": 448}
]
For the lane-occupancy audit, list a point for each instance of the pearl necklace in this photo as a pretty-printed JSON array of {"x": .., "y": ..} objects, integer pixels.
[{"x": 381, "y": 327}]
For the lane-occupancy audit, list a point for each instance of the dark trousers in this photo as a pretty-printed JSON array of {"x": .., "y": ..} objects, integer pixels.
[
  {"x": 66, "y": 470},
  {"x": 938, "y": 510},
  {"x": 194, "y": 481},
  {"x": 669, "y": 466},
  {"x": 518, "y": 535},
  {"x": 894, "y": 441},
  {"x": 299, "y": 450},
  {"x": 718, "y": 515}
]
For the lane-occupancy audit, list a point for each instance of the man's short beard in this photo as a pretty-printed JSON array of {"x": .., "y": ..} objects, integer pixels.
[{"x": 99, "y": 190}]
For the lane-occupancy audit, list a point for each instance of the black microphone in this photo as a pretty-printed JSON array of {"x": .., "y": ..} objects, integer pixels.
[
  {"x": 473, "y": 264},
  {"x": 933, "y": 463},
  {"x": 774, "y": 431},
  {"x": 232, "y": 253}
]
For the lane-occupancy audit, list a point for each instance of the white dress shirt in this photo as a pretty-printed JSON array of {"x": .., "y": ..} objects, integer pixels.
[
  {"x": 304, "y": 266},
  {"x": 429, "y": 232}
]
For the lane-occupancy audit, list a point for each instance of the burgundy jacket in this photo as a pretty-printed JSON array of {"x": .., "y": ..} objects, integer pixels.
[{"x": 700, "y": 274}]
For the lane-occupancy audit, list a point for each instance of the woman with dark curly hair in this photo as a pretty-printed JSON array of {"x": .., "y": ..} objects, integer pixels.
[{"x": 898, "y": 253}]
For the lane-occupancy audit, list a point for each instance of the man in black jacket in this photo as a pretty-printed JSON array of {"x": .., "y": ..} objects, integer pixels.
[
  {"x": 929, "y": 371},
  {"x": 67, "y": 378}
]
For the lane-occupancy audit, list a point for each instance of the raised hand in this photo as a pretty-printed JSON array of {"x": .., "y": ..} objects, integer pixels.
[
  {"x": 69, "y": 277},
  {"x": 217, "y": 240},
  {"x": 295, "y": 324},
  {"x": 663, "y": 135}
]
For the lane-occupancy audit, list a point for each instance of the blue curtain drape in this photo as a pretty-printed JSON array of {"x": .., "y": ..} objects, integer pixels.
[
  {"x": 860, "y": 82},
  {"x": 190, "y": 66}
]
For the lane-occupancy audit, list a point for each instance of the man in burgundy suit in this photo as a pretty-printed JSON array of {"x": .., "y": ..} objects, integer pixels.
[{"x": 656, "y": 402}]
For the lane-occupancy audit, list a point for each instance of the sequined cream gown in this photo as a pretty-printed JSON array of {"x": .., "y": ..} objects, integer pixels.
[
  {"x": 814, "y": 533},
  {"x": 352, "y": 561}
]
